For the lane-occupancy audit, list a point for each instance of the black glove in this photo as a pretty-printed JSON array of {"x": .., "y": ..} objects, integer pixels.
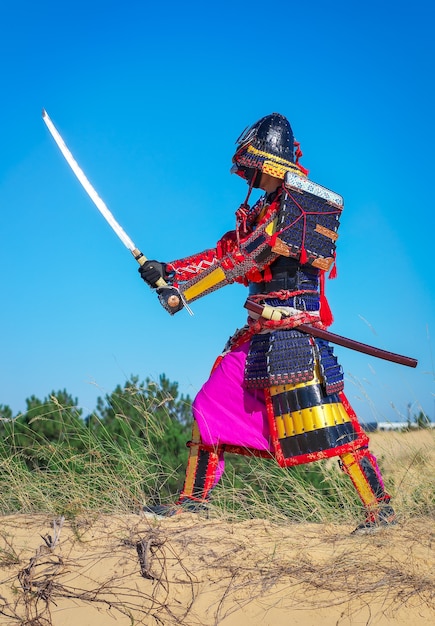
[
  {"x": 169, "y": 297},
  {"x": 151, "y": 271}
]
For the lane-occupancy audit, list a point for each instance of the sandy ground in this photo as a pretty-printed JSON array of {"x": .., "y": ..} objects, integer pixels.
[
  {"x": 188, "y": 570},
  {"x": 192, "y": 571}
]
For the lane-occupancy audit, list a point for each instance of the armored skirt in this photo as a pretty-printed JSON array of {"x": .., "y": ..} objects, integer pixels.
[{"x": 294, "y": 422}]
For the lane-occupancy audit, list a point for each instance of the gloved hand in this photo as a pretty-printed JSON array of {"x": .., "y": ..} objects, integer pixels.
[
  {"x": 151, "y": 271},
  {"x": 170, "y": 299},
  {"x": 169, "y": 296}
]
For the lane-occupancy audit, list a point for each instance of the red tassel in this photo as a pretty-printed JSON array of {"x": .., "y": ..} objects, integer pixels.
[
  {"x": 333, "y": 272},
  {"x": 326, "y": 316},
  {"x": 267, "y": 274},
  {"x": 303, "y": 258},
  {"x": 273, "y": 239}
]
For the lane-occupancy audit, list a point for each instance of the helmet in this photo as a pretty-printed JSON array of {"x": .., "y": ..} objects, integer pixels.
[{"x": 266, "y": 146}]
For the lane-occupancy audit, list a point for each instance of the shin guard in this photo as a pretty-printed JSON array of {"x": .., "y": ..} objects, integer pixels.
[
  {"x": 204, "y": 469},
  {"x": 362, "y": 468}
]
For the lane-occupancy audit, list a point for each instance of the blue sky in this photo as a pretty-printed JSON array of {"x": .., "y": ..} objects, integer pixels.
[{"x": 150, "y": 100}]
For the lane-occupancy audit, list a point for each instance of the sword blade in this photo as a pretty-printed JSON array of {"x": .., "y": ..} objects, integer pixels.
[
  {"x": 99, "y": 203},
  {"x": 171, "y": 296}
]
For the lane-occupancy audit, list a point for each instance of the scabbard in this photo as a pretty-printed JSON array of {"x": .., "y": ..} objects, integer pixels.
[
  {"x": 358, "y": 346},
  {"x": 339, "y": 340}
]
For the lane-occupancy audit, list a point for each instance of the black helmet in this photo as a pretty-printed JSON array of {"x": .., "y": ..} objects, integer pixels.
[{"x": 266, "y": 146}]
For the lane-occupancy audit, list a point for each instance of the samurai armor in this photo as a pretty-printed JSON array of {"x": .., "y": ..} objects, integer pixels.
[
  {"x": 288, "y": 356},
  {"x": 279, "y": 357},
  {"x": 308, "y": 221},
  {"x": 308, "y": 425}
]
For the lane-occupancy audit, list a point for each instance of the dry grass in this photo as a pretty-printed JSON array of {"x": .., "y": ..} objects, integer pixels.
[{"x": 408, "y": 462}]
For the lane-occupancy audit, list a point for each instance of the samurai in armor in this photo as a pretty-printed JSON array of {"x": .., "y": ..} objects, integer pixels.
[{"x": 275, "y": 391}]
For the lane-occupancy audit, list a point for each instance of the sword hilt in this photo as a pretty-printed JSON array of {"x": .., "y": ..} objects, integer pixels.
[{"x": 172, "y": 299}]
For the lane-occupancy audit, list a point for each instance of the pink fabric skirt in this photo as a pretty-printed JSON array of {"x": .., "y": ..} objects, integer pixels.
[{"x": 226, "y": 412}]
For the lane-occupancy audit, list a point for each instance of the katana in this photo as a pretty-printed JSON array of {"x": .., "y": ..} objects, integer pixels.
[
  {"x": 170, "y": 295},
  {"x": 273, "y": 313}
]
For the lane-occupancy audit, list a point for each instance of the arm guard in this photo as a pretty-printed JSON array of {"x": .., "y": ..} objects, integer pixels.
[{"x": 231, "y": 261}]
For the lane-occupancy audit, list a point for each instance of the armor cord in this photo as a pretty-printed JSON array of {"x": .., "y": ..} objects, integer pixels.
[
  {"x": 242, "y": 214},
  {"x": 299, "y": 154}
]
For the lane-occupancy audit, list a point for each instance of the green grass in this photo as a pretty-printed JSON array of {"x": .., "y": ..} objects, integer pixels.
[{"x": 81, "y": 471}]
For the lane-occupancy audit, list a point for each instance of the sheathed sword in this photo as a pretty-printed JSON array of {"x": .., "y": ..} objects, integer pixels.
[
  {"x": 169, "y": 296},
  {"x": 269, "y": 312}
]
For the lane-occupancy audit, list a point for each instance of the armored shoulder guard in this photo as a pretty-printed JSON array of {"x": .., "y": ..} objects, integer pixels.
[{"x": 308, "y": 221}]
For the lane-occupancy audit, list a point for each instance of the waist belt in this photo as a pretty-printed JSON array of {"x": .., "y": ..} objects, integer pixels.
[{"x": 305, "y": 300}]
